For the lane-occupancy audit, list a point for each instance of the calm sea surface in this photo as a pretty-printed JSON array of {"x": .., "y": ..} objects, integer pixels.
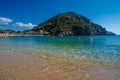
[{"x": 103, "y": 49}]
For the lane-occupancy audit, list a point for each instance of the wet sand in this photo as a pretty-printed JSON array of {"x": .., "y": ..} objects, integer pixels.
[{"x": 21, "y": 66}]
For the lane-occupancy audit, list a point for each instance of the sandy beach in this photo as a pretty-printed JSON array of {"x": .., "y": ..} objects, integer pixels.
[{"x": 21, "y": 66}]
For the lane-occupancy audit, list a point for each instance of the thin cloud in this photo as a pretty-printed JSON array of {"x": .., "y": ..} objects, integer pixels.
[
  {"x": 21, "y": 24},
  {"x": 4, "y": 20}
]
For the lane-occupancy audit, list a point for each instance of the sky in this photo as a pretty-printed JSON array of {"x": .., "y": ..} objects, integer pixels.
[{"x": 25, "y": 14}]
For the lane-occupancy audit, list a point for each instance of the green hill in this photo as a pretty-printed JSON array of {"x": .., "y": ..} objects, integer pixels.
[{"x": 69, "y": 23}]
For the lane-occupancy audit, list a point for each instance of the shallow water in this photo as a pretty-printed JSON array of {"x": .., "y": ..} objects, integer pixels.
[{"x": 103, "y": 49}]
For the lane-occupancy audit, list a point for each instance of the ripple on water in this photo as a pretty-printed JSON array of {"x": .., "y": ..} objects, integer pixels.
[{"x": 104, "y": 49}]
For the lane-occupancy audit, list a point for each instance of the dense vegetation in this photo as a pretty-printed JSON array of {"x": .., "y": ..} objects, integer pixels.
[
  {"x": 7, "y": 31},
  {"x": 2, "y": 31},
  {"x": 70, "y": 24}
]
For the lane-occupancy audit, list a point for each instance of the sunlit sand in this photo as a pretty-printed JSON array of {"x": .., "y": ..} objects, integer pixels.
[{"x": 21, "y": 66}]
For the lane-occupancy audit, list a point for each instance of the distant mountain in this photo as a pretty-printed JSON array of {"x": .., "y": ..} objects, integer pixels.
[
  {"x": 7, "y": 31},
  {"x": 110, "y": 33},
  {"x": 69, "y": 23}
]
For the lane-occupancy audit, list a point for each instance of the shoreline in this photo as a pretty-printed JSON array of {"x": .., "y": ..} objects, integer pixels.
[
  {"x": 23, "y": 66},
  {"x": 60, "y": 56}
]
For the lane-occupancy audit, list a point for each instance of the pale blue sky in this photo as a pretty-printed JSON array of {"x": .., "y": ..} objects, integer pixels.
[{"x": 24, "y": 14}]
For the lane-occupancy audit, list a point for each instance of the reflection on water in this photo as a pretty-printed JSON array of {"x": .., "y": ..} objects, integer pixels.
[{"x": 104, "y": 49}]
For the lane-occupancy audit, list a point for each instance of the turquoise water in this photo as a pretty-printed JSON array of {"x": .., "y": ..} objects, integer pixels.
[{"x": 103, "y": 49}]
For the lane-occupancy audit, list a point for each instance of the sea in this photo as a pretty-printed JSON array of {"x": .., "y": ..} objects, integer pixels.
[{"x": 97, "y": 49}]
